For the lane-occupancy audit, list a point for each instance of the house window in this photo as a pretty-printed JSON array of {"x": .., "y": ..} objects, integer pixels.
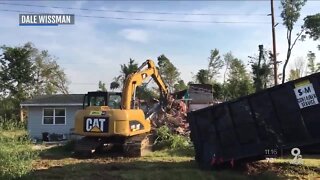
[{"x": 54, "y": 116}]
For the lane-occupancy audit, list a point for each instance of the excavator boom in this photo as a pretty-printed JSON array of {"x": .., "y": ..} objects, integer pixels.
[{"x": 136, "y": 79}]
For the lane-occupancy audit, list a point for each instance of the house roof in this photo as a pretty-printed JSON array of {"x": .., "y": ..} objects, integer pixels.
[
  {"x": 55, "y": 100},
  {"x": 200, "y": 87}
]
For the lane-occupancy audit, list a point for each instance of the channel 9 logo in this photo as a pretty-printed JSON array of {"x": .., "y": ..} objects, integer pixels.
[{"x": 297, "y": 159}]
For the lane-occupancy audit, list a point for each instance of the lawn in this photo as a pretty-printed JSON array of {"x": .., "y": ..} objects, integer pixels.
[
  {"x": 19, "y": 158},
  {"x": 16, "y": 154},
  {"x": 57, "y": 163}
]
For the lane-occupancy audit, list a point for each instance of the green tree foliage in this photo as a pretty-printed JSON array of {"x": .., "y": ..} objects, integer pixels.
[
  {"x": 26, "y": 72},
  {"x": 8, "y": 108},
  {"x": 16, "y": 74},
  {"x": 168, "y": 71},
  {"x": 129, "y": 68},
  {"x": 215, "y": 64},
  {"x": 290, "y": 15},
  {"x": 294, "y": 74},
  {"x": 125, "y": 70},
  {"x": 238, "y": 82},
  {"x": 49, "y": 76},
  {"x": 312, "y": 66},
  {"x": 143, "y": 92},
  {"x": 17, "y": 71},
  {"x": 202, "y": 76},
  {"x": 218, "y": 90},
  {"x": 298, "y": 69},
  {"x": 312, "y": 26},
  {"x": 261, "y": 70},
  {"x": 227, "y": 58},
  {"x": 180, "y": 86},
  {"x": 114, "y": 85},
  {"x": 102, "y": 86},
  {"x": 29, "y": 72}
]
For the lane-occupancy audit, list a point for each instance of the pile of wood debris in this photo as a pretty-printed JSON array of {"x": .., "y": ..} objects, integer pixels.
[{"x": 174, "y": 117}]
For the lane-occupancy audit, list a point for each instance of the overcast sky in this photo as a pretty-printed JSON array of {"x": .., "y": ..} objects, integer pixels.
[{"x": 93, "y": 48}]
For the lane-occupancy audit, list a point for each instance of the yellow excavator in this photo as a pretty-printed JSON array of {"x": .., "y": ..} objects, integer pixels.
[{"x": 109, "y": 118}]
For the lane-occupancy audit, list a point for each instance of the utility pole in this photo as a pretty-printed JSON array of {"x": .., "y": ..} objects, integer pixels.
[{"x": 274, "y": 46}]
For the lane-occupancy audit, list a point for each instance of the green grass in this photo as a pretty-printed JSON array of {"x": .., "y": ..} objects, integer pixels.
[
  {"x": 18, "y": 160},
  {"x": 16, "y": 154},
  {"x": 12, "y": 125},
  {"x": 164, "y": 164}
]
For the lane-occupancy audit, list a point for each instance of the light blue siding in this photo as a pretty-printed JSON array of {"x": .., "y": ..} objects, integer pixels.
[{"x": 36, "y": 128}]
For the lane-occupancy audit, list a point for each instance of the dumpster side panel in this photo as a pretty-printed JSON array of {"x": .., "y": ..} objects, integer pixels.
[{"x": 244, "y": 128}]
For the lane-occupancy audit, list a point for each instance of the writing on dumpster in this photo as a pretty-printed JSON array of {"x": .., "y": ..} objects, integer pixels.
[{"x": 305, "y": 94}]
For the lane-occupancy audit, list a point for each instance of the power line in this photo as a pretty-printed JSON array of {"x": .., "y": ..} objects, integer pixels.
[
  {"x": 134, "y": 12},
  {"x": 144, "y": 19}
]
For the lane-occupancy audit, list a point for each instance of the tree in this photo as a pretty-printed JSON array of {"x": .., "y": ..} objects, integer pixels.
[
  {"x": 227, "y": 58},
  {"x": 180, "y": 86},
  {"x": 300, "y": 65},
  {"x": 312, "y": 26},
  {"x": 261, "y": 70},
  {"x": 218, "y": 90},
  {"x": 215, "y": 64},
  {"x": 312, "y": 67},
  {"x": 142, "y": 92},
  {"x": 290, "y": 15},
  {"x": 49, "y": 77},
  {"x": 294, "y": 74},
  {"x": 238, "y": 82},
  {"x": 202, "y": 76},
  {"x": 125, "y": 70},
  {"x": 17, "y": 71},
  {"x": 102, "y": 86},
  {"x": 298, "y": 69},
  {"x": 168, "y": 71},
  {"x": 128, "y": 69},
  {"x": 114, "y": 85},
  {"x": 26, "y": 72}
]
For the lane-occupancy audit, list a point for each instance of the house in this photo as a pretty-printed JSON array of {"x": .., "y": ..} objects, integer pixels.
[{"x": 52, "y": 113}]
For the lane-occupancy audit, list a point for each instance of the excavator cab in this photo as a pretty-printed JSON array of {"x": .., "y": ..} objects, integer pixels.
[{"x": 100, "y": 98}]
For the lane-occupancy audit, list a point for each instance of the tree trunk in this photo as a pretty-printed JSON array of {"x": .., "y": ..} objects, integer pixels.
[{"x": 289, "y": 31}]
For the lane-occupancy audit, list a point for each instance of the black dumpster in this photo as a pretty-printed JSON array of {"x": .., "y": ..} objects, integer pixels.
[{"x": 268, "y": 123}]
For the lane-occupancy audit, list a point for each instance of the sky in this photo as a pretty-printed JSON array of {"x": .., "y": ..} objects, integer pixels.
[{"x": 93, "y": 48}]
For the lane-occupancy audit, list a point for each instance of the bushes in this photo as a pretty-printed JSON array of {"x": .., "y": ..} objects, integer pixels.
[
  {"x": 16, "y": 152},
  {"x": 12, "y": 125},
  {"x": 167, "y": 139}
]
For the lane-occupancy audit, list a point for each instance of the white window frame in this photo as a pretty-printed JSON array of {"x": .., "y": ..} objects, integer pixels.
[{"x": 54, "y": 116}]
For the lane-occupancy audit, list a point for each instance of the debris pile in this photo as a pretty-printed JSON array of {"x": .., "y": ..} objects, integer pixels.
[{"x": 174, "y": 117}]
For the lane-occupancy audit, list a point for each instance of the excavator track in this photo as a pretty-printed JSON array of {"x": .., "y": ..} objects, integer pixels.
[
  {"x": 137, "y": 146},
  {"x": 85, "y": 147}
]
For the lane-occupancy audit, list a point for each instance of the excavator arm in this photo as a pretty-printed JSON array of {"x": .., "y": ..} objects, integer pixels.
[{"x": 136, "y": 79}]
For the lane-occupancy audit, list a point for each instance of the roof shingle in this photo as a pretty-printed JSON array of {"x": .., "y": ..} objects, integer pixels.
[{"x": 55, "y": 99}]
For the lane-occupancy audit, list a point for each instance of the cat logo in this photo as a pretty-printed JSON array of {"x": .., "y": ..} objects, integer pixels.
[{"x": 95, "y": 125}]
